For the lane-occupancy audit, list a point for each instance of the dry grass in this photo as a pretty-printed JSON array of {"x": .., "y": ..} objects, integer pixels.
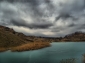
[
  {"x": 83, "y": 58},
  {"x": 3, "y": 49},
  {"x": 30, "y": 46}
]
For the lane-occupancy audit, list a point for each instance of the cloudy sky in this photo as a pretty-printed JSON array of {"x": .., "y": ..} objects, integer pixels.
[{"x": 49, "y": 18}]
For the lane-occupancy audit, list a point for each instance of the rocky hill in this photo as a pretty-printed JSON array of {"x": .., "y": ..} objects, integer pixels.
[
  {"x": 15, "y": 41},
  {"x": 8, "y": 37},
  {"x": 75, "y": 37}
]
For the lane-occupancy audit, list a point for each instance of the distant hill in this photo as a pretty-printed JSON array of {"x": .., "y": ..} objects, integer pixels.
[
  {"x": 9, "y": 39},
  {"x": 76, "y": 37}
]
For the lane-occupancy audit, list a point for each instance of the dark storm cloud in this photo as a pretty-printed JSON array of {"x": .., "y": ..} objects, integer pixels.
[
  {"x": 71, "y": 25},
  {"x": 49, "y": 17},
  {"x": 31, "y": 1},
  {"x": 69, "y": 9},
  {"x": 63, "y": 16},
  {"x": 31, "y": 25},
  {"x": 10, "y": 13},
  {"x": 40, "y": 25}
]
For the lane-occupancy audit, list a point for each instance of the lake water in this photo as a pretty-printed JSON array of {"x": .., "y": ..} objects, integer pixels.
[{"x": 53, "y": 54}]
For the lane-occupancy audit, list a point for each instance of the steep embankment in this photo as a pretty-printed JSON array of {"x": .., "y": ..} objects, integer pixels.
[{"x": 8, "y": 38}]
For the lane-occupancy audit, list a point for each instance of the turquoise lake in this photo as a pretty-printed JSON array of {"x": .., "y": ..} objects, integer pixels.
[{"x": 53, "y": 54}]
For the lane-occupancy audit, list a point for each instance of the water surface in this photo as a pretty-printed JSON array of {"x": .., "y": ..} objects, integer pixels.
[{"x": 53, "y": 54}]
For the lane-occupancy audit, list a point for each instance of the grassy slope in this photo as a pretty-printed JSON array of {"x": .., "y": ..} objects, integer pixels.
[{"x": 9, "y": 39}]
